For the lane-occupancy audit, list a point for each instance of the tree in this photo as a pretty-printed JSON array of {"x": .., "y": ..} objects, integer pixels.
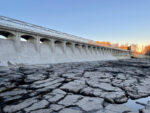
[{"x": 147, "y": 50}]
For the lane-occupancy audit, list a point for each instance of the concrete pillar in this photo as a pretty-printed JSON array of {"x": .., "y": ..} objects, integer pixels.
[
  {"x": 100, "y": 51},
  {"x": 122, "y": 54},
  {"x": 52, "y": 45},
  {"x": 86, "y": 49},
  {"x": 111, "y": 51},
  {"x": 97, "y": 49},
  {"x": 118, "y": 52},
  {"x": 125, "y": 54},
  {"x": 115, "y": 52},
  {"x": 104, "y": 51},
  {"x": 97, "y": 53},
  {"x": 73, "y": 47},
  {"x": 92, "y": 51},
  {"x": 80, "y": 48},
  {"x": 64, "y": 47},
  {"x": 17, "y": 42},
  {"x": 37, "y": 43}
]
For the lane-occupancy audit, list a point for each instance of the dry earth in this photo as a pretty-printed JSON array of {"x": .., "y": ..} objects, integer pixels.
[{"x": 89, "y": 87}]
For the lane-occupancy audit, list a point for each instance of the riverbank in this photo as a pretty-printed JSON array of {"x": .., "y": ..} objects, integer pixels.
[{"x": 89, "y": 87}]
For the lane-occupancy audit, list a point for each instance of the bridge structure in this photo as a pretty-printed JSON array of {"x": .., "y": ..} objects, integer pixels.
[{"x": 26, "y": 43}]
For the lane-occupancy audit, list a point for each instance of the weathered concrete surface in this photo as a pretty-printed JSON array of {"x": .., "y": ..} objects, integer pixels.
[
  {"x": 89, "y": 87},
  {"x": 42, "y": 46},
  {"x": 26, "y": 52}
]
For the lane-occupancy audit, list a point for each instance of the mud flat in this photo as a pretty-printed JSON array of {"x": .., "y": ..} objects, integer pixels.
[{"x": 89, "y": 87}]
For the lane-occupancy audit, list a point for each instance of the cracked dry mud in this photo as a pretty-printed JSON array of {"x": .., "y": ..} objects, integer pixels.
[{"x": 89, "y": 87}]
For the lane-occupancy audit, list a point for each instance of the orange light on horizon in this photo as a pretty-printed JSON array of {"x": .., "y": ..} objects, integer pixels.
[{"x": 136, "y": 49}]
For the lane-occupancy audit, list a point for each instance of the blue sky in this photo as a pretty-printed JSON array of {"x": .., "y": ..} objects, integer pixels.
[{"x": 117, "y": 21}]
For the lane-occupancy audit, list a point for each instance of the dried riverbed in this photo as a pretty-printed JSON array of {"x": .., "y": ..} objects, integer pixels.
[{"x": 89, "y": 87}]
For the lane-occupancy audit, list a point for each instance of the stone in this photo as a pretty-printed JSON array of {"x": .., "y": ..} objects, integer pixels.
[
  {"x": 14, "y": 92},
  {"x": 90, "y": 104},
  {"x": 56, "y": 107},
  {"x": 72, "y": 76},
  {"x": 105, "y": 111},
  {"x": 117, "y": 108},
  {"x": 19, "y": 106},
  {"x": 70, "y": 100},
  {"x": 88, "y": 91},
  {"x": 45, "y": 83},
  {"x": 34, "y": 77},
  {"x": 91, "y": 74},
  {"x": 74, "y": 86},
  {"x": 89, "y": 87},
  {"x": 37, "y": 105},
  {"x": 48, "y": 88},
  {"x": 55, "y": 98},
  {"x": 121, "y": 76},
  {"x": 55, "y": 95},
  {"x": 42, "y": 111},
  {"x": 68, "y": 110},
  {"x": 103, "y": 86}
]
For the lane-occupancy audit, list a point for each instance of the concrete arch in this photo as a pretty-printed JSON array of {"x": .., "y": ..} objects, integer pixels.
[
  {"x": 89, "y": 47},
  {"x": 58, "y": 42},
  {"x": 77, "y": 45},
  {"x": 94, "y": 50},
  {"x": 6, "y": 34},
  {"x": 68, "y": 44},
  {"x": 28, "y": 38},
  {"x": 83, "y": 46},
  {"x": 45, "y": 40},
  {"x": 94, "y": 47}
]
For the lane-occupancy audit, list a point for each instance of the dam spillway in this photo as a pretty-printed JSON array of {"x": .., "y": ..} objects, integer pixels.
[{"x": 42, "y": 45}]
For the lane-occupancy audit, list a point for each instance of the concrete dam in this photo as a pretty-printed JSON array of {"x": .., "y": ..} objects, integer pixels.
[{"x": 26, "y": 43}]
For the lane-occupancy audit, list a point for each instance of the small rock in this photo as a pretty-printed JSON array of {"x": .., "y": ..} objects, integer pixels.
[
  {"x": 68, "y": 110},
  {"x": 38, "y": 105},
  {"x": 90, "y": 104}
]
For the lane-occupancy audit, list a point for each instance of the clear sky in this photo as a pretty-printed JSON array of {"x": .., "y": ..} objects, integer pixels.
[{"x": 117, "y": 21}]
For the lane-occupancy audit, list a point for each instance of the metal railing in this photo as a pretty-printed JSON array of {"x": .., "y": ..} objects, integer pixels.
[
  {"x": 24, "y": 25},
  {"x": 17, "y": 24}
]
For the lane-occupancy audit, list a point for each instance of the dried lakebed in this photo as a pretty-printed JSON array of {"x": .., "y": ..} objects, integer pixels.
[{"x": 89, "y": 87}]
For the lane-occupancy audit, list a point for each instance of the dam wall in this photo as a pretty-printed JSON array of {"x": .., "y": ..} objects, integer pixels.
[
  {"x": 25, "y": 43},
  {"x": 143, "y": 56}
]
